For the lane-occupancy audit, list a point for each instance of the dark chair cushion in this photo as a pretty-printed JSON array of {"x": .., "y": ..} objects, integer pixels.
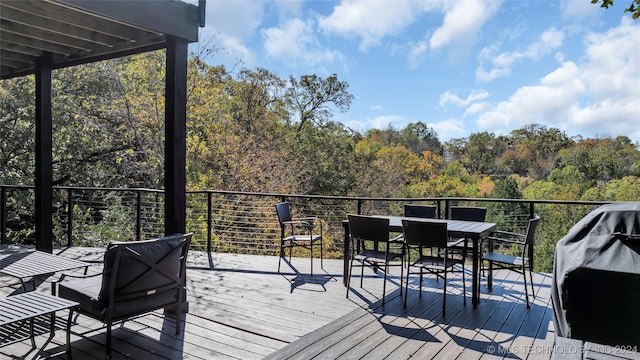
[
  {"x": 85, "y": 292},
  {"x": 131, "y": 267}
]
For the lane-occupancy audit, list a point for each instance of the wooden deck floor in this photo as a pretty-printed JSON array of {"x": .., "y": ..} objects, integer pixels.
[{"x": 242, "y": 308}]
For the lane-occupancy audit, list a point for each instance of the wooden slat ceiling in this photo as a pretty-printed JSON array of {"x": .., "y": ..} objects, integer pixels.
[{"x": 82, "y": 31}]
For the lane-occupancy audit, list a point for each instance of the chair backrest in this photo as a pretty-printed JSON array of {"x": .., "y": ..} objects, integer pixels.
[
  {"x": 468, "y": 213},
  {"x": 368, "y": 228},
  {"x": 140, "y": 276},
  {"x": 531, "y": 230},
  {"x": 421, "y": 211},
  {"x": 284, "y": 212},
  {"x": 425, "y": 233}
]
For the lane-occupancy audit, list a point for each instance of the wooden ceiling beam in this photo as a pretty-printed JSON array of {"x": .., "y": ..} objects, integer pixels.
[
  {"x": 62, "y": 13},
  {"x": 56, "y": 26},
  {"x": 47, "y": 36}
]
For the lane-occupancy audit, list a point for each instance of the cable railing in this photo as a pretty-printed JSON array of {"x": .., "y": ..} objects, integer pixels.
[{"x": 246, "y": 222}]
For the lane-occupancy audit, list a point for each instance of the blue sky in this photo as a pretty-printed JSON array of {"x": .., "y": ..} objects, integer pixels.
[{"x": 459, "y": 66}]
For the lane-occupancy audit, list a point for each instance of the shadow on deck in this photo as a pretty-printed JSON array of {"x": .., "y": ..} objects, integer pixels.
[{"x": 240, "y": 307}]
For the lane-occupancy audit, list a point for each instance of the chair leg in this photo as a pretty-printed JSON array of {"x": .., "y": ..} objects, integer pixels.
[
  {"x": 533, "y": 292},
  {"x": 108, "y": 346},
  {"x": 311, "y": 251},
  {"x": 490, "y": 276},
  {"x": 464, "y": 286},
  {"x": 69, "y": 355},
  {"x": 420, "y": 286},
  {"x": 349, "y": 276},
  {"x": 290, "y": 251},
  {"x": 384, "y": 284},
  {"x": 526, "y": 292},
  {"x": 444, "y": 292},
  {"x": 406, "y": 285},
  {"x": 401, "y": 272},
  {"x": 321, "y": 256},
  {"x": 281, "y": 255}
]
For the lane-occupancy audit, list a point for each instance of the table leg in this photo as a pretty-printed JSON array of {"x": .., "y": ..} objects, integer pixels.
[
  {"x": 69, "y": 319},
  {"x": 345, "y": 255},
  {"x": 32, "y": 333},
  {"x": 475, "y": 286}
]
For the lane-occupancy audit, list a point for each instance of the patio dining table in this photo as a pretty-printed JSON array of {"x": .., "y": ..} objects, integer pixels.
[{"x": 473, "y": 230}]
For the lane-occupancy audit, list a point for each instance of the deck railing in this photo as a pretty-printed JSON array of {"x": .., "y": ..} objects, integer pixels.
[{"x": 242, "y": 222}]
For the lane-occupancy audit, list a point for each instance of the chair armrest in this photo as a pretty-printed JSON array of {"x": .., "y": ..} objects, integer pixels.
[
  {"x": 63, "y": 276},
  {"x": 304, "y": 223},
  {"x": 56, "y": 283},
  {"x": 510, "y": 241},
  {"x": 500, "y": 233},
  {"x": 456, "y": 242},
  {"x": 308, "y": 218},
  {"x": 397, "y": 239}
]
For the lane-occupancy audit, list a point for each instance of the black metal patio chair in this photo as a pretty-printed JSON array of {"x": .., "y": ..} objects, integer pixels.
[
  {"x": 420, "y": 235},
  {"x": 297, "y": 232},
  {"x": 371, "y": 246},
  {"x": 498, "y": 256},
  {"x": 138, "y": 277}
]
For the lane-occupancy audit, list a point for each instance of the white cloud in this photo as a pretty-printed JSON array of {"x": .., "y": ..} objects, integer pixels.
[
  {"x": 547, "y": 102},
  {"x": 611, "y": 72},
  {"x": 462, "y": 20},
  {"x": 416, "y": 52},
  {"x": 607, "y": 80},
  {"x": 477, "y": 108},
  {"x": 379, "y": 122},
  {"x": 371, "y": 20},
  {"x": 500, "y": 65},
  {"x": 449, "y": 129},
  {"x": 231, "y": 31},
  {"x": 382, "y": 122},
  {"x": 578, "y": 10},
  {"x": 450, "y": 98},
  {"x": 295, "y": 42}
]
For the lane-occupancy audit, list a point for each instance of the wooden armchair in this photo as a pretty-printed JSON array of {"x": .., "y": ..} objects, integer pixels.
[{"x": 138, "y": 277}]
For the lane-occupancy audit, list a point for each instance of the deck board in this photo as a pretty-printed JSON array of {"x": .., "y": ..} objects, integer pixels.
[{"x": 242, "y": 308}]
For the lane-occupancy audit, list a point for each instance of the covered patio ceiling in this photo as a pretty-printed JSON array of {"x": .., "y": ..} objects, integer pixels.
[
  {"x": 38, "y": 36},
  {"x": 82, "y": 31}
]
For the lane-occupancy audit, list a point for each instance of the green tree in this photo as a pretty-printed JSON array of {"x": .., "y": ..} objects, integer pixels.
[
  {"x": 602, "y": 158},
  {"x": 634, "y": 7},
  {"x": 538, "y": 146},
  {"x": 17, "y": 131},
  {"x": 309, "y": 98},
  {"x": 325, "y": 160},
  {"x": 419, "y": 137}
]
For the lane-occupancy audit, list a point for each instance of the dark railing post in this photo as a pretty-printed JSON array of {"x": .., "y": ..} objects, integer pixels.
[
  {"x": 531, "y": 246},
  {"x": 70, "y": 217},
  {"x": 359, "y": 206},
  {"x": 3, "y": 215},
  {"x": 138, "y": 215},
  {"x": 446, "y": 209},
  {"x": 531, "y": 210},
  {"x": 209, "y": 220}
]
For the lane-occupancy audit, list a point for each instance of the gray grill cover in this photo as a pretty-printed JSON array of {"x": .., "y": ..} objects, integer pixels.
[{"x": 601, "y": 261}]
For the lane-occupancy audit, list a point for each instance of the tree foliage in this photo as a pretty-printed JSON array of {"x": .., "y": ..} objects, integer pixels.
[
  {"x": 251, "y": 130},
  {"x": 633, "y": 8},
  {"x": 310, "y": 98}
]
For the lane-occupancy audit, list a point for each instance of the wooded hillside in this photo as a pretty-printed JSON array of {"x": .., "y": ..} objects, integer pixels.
[{"x": 251, "y": 130}]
